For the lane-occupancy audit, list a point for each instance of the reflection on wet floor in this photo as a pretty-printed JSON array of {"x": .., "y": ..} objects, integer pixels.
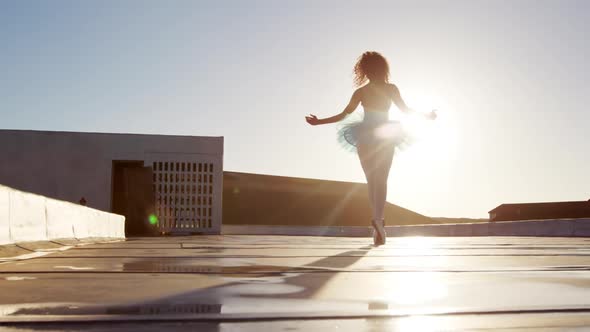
[
  {"x": 185, "y": 266},
  {"x": 243, "y": 268},
  {"x": 18, "y": 278},
  {"x": 74, "y": 268},
  {"x": 166, "y": 309},
  {"x": 138, "y": 309}
]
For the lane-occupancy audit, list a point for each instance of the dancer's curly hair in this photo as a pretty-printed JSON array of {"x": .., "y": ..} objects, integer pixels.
[{"x": 371, "y": 66}]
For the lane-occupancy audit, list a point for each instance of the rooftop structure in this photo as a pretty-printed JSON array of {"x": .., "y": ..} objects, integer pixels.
[
  {"x": 174, "y": 182},
  {"x": 545, "y": 210}
]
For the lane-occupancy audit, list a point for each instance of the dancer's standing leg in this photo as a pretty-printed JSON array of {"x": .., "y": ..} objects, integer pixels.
[
  {"x": 383, "y": 163},
  {"x": 368, "y": 156},
  {"x": 367, "y": 159}
]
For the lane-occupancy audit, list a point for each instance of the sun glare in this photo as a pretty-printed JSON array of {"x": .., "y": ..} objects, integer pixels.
[
  {"x": 430, "y": 139},
  {"x": 418, "y": 288}
]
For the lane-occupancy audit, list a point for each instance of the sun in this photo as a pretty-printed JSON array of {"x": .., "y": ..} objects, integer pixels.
[{"x": 431, "y": 138}]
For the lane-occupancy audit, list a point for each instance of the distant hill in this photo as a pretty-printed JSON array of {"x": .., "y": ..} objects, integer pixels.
[{"x": 256, "y": 199}]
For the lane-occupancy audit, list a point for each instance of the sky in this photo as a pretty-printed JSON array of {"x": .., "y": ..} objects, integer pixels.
[{"x": 509, "y": 78}]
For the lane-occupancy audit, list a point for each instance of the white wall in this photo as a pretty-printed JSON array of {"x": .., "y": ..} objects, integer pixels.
[
  {"x": 26, "y": 217},
  {"x": 27, "y": 220}
]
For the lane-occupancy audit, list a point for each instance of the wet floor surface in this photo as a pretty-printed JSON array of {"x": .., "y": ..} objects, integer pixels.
[{"x": 274, "y": 283}]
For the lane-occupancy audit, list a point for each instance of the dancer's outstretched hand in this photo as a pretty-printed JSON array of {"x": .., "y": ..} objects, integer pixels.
[
  {"x": 432, "y": 115},
  {"x": 312, "y": 120}
]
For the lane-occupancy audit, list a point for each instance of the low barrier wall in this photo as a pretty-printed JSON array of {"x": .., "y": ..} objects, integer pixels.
[
  {"x": 556, "y": 227},
  {"x": 26, "y": 217}
]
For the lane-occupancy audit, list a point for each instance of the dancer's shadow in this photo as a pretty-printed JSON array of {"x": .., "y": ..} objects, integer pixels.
[
  {"x": 267, "y": 281},
  {"x": 323, "y": 270},
  {"x": 307, "y": 279}
]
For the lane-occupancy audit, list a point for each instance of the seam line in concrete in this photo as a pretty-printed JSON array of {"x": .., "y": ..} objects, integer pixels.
[
  {"x": 64, "y": 319},
  {"x": 287, "y": 257},
  {"x": 306, "y": 271}
]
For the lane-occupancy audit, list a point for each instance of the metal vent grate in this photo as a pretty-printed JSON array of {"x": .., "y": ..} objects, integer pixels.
[{"x": 184, "y": 195}]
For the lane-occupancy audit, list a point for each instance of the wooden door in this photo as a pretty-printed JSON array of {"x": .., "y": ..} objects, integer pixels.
[{"x": 139, "y": 194}]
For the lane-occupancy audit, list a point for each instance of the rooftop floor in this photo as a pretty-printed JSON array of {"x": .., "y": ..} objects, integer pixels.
[{"x": 274, "y": 283}]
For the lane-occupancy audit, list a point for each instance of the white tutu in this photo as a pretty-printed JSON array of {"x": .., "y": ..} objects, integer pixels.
[{"x": 374, "y": 129}]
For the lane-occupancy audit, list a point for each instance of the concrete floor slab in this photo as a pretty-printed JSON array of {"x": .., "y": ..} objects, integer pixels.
[
  {"x": 546, "y": 322},
  {"x": 246, "y": 283},
  {"x": 326, "y": 252},
  {"x": 344, "y": 262}
]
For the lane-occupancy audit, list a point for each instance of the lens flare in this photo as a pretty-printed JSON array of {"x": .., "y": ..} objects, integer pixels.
[
  {"x": 153, "y": 219},
  {"x": 391, "y": 131},
  {"x": 418, "y": 126}
]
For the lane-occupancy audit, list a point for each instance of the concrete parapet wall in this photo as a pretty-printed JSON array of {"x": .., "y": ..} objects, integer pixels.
[
  {"x": 557, "y": 228},
  {"x": 26, "y": 217}
]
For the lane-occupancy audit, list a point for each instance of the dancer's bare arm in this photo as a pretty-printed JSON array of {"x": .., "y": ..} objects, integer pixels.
[
  {"x": 401, "y": 104},
  {"x": 352, "y": 105},
  {"x": 399, "y": 101}
]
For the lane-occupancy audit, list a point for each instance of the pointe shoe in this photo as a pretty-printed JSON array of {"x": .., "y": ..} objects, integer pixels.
[
  {"x": 375, "y": 237},
  {"x": 380, "y": 236},
  {"x": 378, "y": 232},
  {"x": 384, "y": 237}
]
